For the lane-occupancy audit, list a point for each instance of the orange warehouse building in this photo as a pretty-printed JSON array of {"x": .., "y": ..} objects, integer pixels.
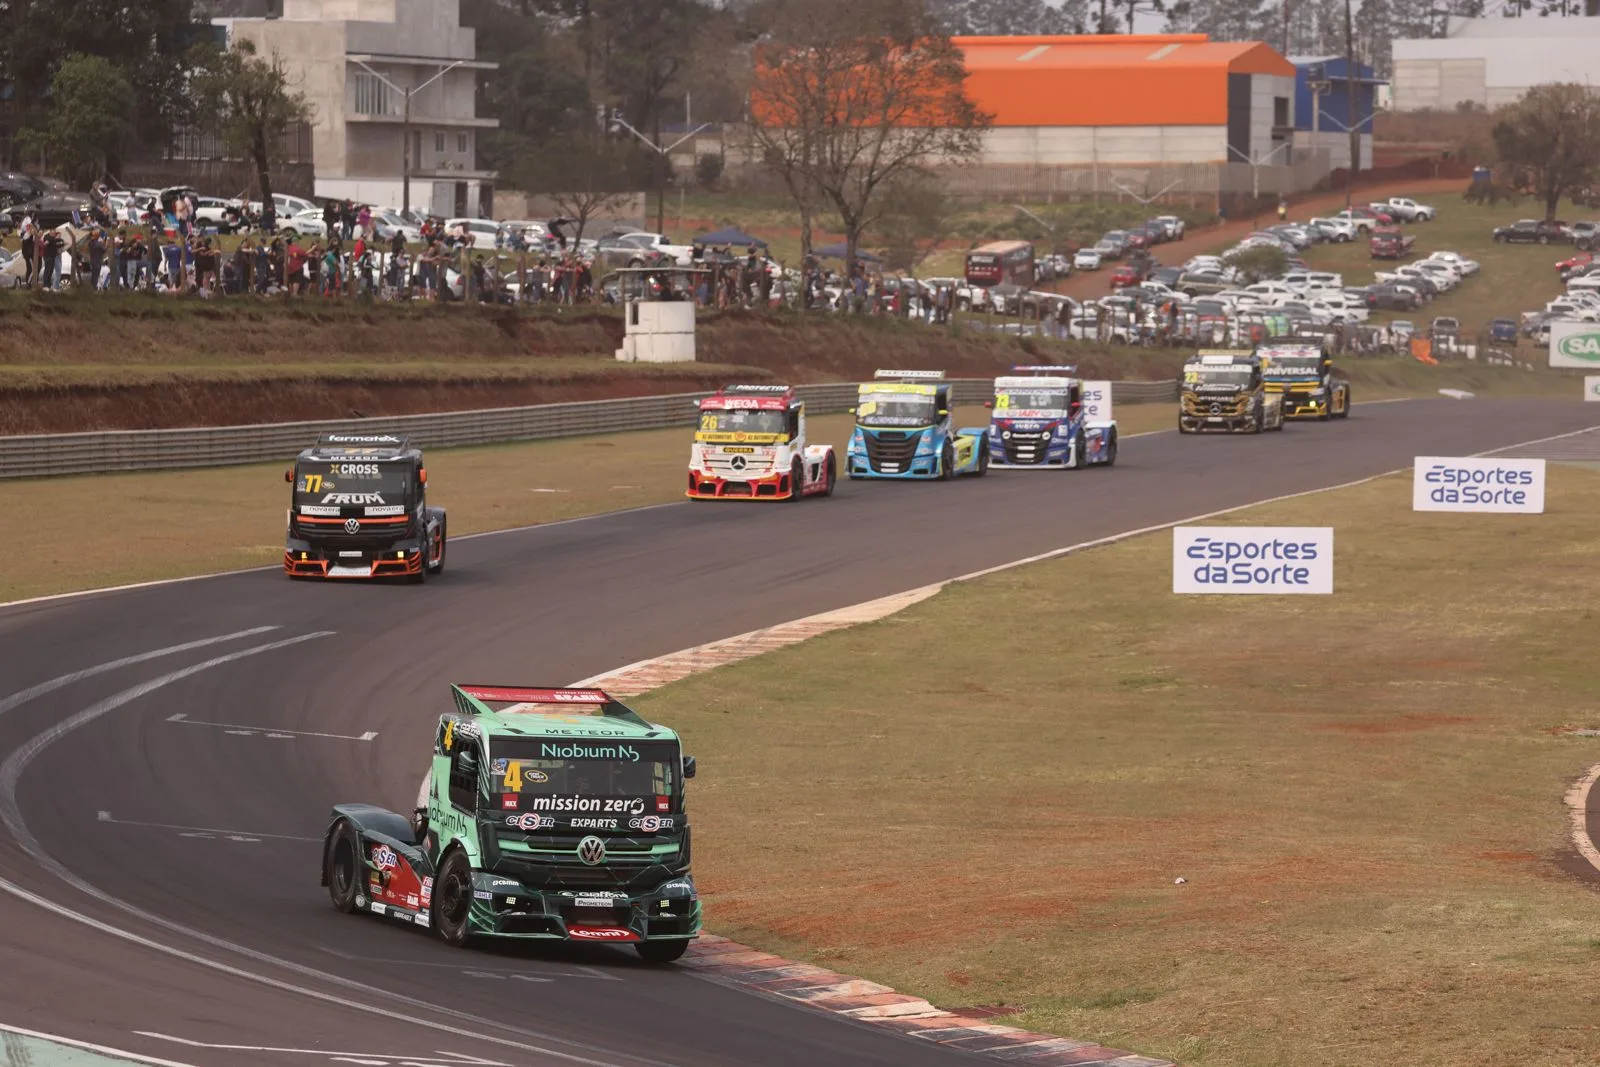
[{"x": 1170, "y": 98}]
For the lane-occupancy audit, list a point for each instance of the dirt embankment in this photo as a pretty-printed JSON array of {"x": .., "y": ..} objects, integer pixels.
[{"x": 75, "y": 364}]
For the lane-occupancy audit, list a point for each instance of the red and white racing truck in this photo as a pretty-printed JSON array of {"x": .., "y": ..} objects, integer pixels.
[{"x": 751, "y": 445}]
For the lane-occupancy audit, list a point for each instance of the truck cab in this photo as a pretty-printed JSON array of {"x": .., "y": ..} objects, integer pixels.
[
  {"x": 904, "y": 429},
  {"x": 1222, "y": 390},
  {"x": 358, "y": 509},
  {"x": 1044, "y": 418},
  {"x": 548, "y": 814},
  {"x": 750, "y": 444},
  {"x": 1300, "y": 371}
]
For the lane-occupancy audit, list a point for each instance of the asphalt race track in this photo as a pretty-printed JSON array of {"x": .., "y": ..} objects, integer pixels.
[{"x": 158, "y": 875}]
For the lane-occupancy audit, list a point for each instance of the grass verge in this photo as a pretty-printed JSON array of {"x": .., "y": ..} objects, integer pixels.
[
  {"x": 986, "y": 799},
  {"x": 99, "y": 531}
]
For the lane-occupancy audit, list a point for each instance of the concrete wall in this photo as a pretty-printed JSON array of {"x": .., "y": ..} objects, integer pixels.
[
  {"x": 1264, "y": 90},
  {"x": 1104, "y": 144},
  {"x": 313, "y": 53},
  {"x": 1336, "y": 145},
  {"x": 1494, "y": 61}
]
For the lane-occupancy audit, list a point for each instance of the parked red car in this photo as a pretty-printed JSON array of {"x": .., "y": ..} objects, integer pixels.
[
  {"x": 1567, "y": 266},
  {"x": 1125, "y": 275},
  {"x": 1389, "y": 243}
]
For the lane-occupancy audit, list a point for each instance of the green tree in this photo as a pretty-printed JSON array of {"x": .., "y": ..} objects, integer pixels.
[
  {"x": 90, "y": 104},
  {"x": 585, "y": 177},
  {"x": 1553, "y": 134},
  {"x": 916, "y": 216},
  {"x": 249, "y": 100},
  {"x": 1258, "y": 263},
  {"x": 145, "y": 39}
]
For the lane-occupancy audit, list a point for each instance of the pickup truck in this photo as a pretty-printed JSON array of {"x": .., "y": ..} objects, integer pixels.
[
  {"x": 682, "y": 255},
  {"x": 1406, "y": 209},
  {"x": 1389, "y": 243},
  {"x": 1338, "y": 230}
]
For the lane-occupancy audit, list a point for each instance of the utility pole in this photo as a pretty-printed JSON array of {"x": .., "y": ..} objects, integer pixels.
[
  {"x": 1350, "y": 97},
  {"x": 406, "y": 162}
]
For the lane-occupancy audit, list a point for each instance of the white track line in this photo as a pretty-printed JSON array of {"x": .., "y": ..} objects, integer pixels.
[
  {"x": 467, "y": 537},
  {"x": 10, "y": 813},
  {"x": 1578, "y": 811},
  {"x": 89, "y": 1046}
]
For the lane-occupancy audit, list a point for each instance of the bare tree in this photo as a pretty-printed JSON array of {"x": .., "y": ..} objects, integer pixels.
[
  {"x": 851, "y": 97},
  {"x": 1553, "y": 134},
  {"x": 586, "y": 179}
]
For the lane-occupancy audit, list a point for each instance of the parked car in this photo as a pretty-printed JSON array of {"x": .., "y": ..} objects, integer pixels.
[
  {"x": 1445, "y": 326},
  {"x": 16, "y": 188},
  {"x": 1467, "y": 267},
  {"x": 1125, "y": 275},
  {"x": 1197, "y": 283},
  {"x": 304, "y": 224},
  {"x": 1389, "y": 243},
  {"x": 1391, "y": 298},
  {"x": 1334, "y": 229},
  {"x": 1366, "y": 219},
  {"x": 1407, "y": 210},
  {"x": 1086, "y": 259},
  {"x": 1114, "y": 241},
  {"x": 1174, "y": 226},
  {"x": 1503, "y": 331},
  {"x": 51, "y": 209},
  {"x": 1529, "y": 231}
]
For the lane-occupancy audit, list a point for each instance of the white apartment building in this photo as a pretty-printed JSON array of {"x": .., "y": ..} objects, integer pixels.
[
  {"x": 1492, "y": 61},
  {"x": 355, "y": 61}
]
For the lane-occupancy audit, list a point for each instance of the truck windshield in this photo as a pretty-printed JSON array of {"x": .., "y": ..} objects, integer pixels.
[
  {"x": 562, "y": 774},
  {"x": 1292, "y": 365},
  {"x": 351, "y": 483},
  {"x": 767, "y": 423},
  {"x": 875, "y": 410},
  {"x": 1032, "y": 404},
  {"x": 1231, "y": 375}
]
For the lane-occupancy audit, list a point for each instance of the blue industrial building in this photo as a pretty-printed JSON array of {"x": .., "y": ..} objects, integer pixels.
[{"x": 1322, "y": 113}]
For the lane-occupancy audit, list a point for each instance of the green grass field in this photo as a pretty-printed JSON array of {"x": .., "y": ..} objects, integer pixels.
[
  {"x": 1363, "y": 793},
  {"x": 1513, "y": 279}
]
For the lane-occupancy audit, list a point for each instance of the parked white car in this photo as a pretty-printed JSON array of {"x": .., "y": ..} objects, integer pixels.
[
  {"x": 306, "y": 224},
  {"x": 1467, "y": 267},
  {"x": 386, "y": 220},
  {"x": 1337, "y": 229},
  {"x": 1086, "y": 259},
  {"x": 480, "y": 232},
  {"x": 683, "y": 255}
]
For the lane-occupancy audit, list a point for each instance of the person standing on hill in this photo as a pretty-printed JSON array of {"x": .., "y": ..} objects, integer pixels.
[{"x": 1283, "y": 209}]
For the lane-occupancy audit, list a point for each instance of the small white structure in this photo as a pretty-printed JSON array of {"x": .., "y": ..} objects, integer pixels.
[{"x": 658, "y": 331}]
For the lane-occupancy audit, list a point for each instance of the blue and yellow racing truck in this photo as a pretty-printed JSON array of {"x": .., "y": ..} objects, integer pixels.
[
  {"x": 1300, "y": 370},
  {"x": 903, "y": 430},
  {"x": 1043, "y": 419}
]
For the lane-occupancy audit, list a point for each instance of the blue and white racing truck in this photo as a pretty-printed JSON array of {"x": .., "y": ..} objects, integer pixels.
[
  {"x": 1043, "y": 417},
  {"x": 904, "y": 430}
]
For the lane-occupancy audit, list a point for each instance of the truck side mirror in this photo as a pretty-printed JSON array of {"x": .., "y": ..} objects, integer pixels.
[
  {"x": 422, "y": 475},
  {"x": 943, "y": 412},
  {"x": 688, "y": 767},
  {"x": 288, "y": 475},
  {"x": 850, "y": 411},
  {"x": 988, "y": 403}
]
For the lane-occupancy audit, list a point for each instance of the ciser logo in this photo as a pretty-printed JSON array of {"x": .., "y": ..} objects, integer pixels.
[
  {"x": 1252, "y": 559},
  {"x": 1498, "y": 486}
]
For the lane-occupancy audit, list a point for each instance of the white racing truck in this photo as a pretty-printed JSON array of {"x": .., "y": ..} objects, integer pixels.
[{"x": 750, "y": 444}]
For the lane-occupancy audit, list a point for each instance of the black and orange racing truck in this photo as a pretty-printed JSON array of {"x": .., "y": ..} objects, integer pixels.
[{"x": 359, "y": 510}]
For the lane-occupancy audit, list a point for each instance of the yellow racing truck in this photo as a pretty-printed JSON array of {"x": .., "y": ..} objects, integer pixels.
[
  {"x": 1222, "y": 391},
  {"x": 1300, "y": 370}
]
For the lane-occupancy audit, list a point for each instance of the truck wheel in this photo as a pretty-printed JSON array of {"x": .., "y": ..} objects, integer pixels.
[
  {"x": 422, "y": 572},
  {"x": 797, "y": 480},
  {"x": 947, "y": 463},
  {"x": 341, "y": 866},
  {"x": 437, "y": 566},
  {"x": 983, "y": 456},
  {"x": 662, "y": 951},
  {"x": 1111, "y": 450},
  {"x": 1344, "y": 408},
  {"x": 831, "y": 472},
  {"x": 452, "y": 900},
  {"x": 1261, "y": 420},
  {"x": 1327, "y": 407}
]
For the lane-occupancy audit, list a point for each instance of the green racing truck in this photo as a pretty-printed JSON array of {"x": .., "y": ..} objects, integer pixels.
[{"x": 553, "y": 814}]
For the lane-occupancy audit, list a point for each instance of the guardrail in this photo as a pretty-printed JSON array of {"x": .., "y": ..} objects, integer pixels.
[{"x": 220, "y": 446}]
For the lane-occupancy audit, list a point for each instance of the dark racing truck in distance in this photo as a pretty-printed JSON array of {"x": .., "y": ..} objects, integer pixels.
[
  {"x": 1222, "y": 390},
  {"x": 358, "y": 509},
  {"x": 1300, "y": 370},
  {"x": 549, "y": 814}
]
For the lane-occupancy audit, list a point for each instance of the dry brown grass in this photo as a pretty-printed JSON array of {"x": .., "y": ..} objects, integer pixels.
[{"x": 987, "y": 798}]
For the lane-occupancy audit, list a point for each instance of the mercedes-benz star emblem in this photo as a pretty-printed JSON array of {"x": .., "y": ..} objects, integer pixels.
[
  {"x": 592, "y": 850},
  {"x": 352, "y": 525},
  {"x": 737, "y": 463},
  {"x": 1216, "y": 409}
]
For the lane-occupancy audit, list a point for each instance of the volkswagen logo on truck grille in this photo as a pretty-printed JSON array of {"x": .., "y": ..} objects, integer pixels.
[
  {"x": 592, "y": 850},
  {"x": 352, "y": 526}
]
